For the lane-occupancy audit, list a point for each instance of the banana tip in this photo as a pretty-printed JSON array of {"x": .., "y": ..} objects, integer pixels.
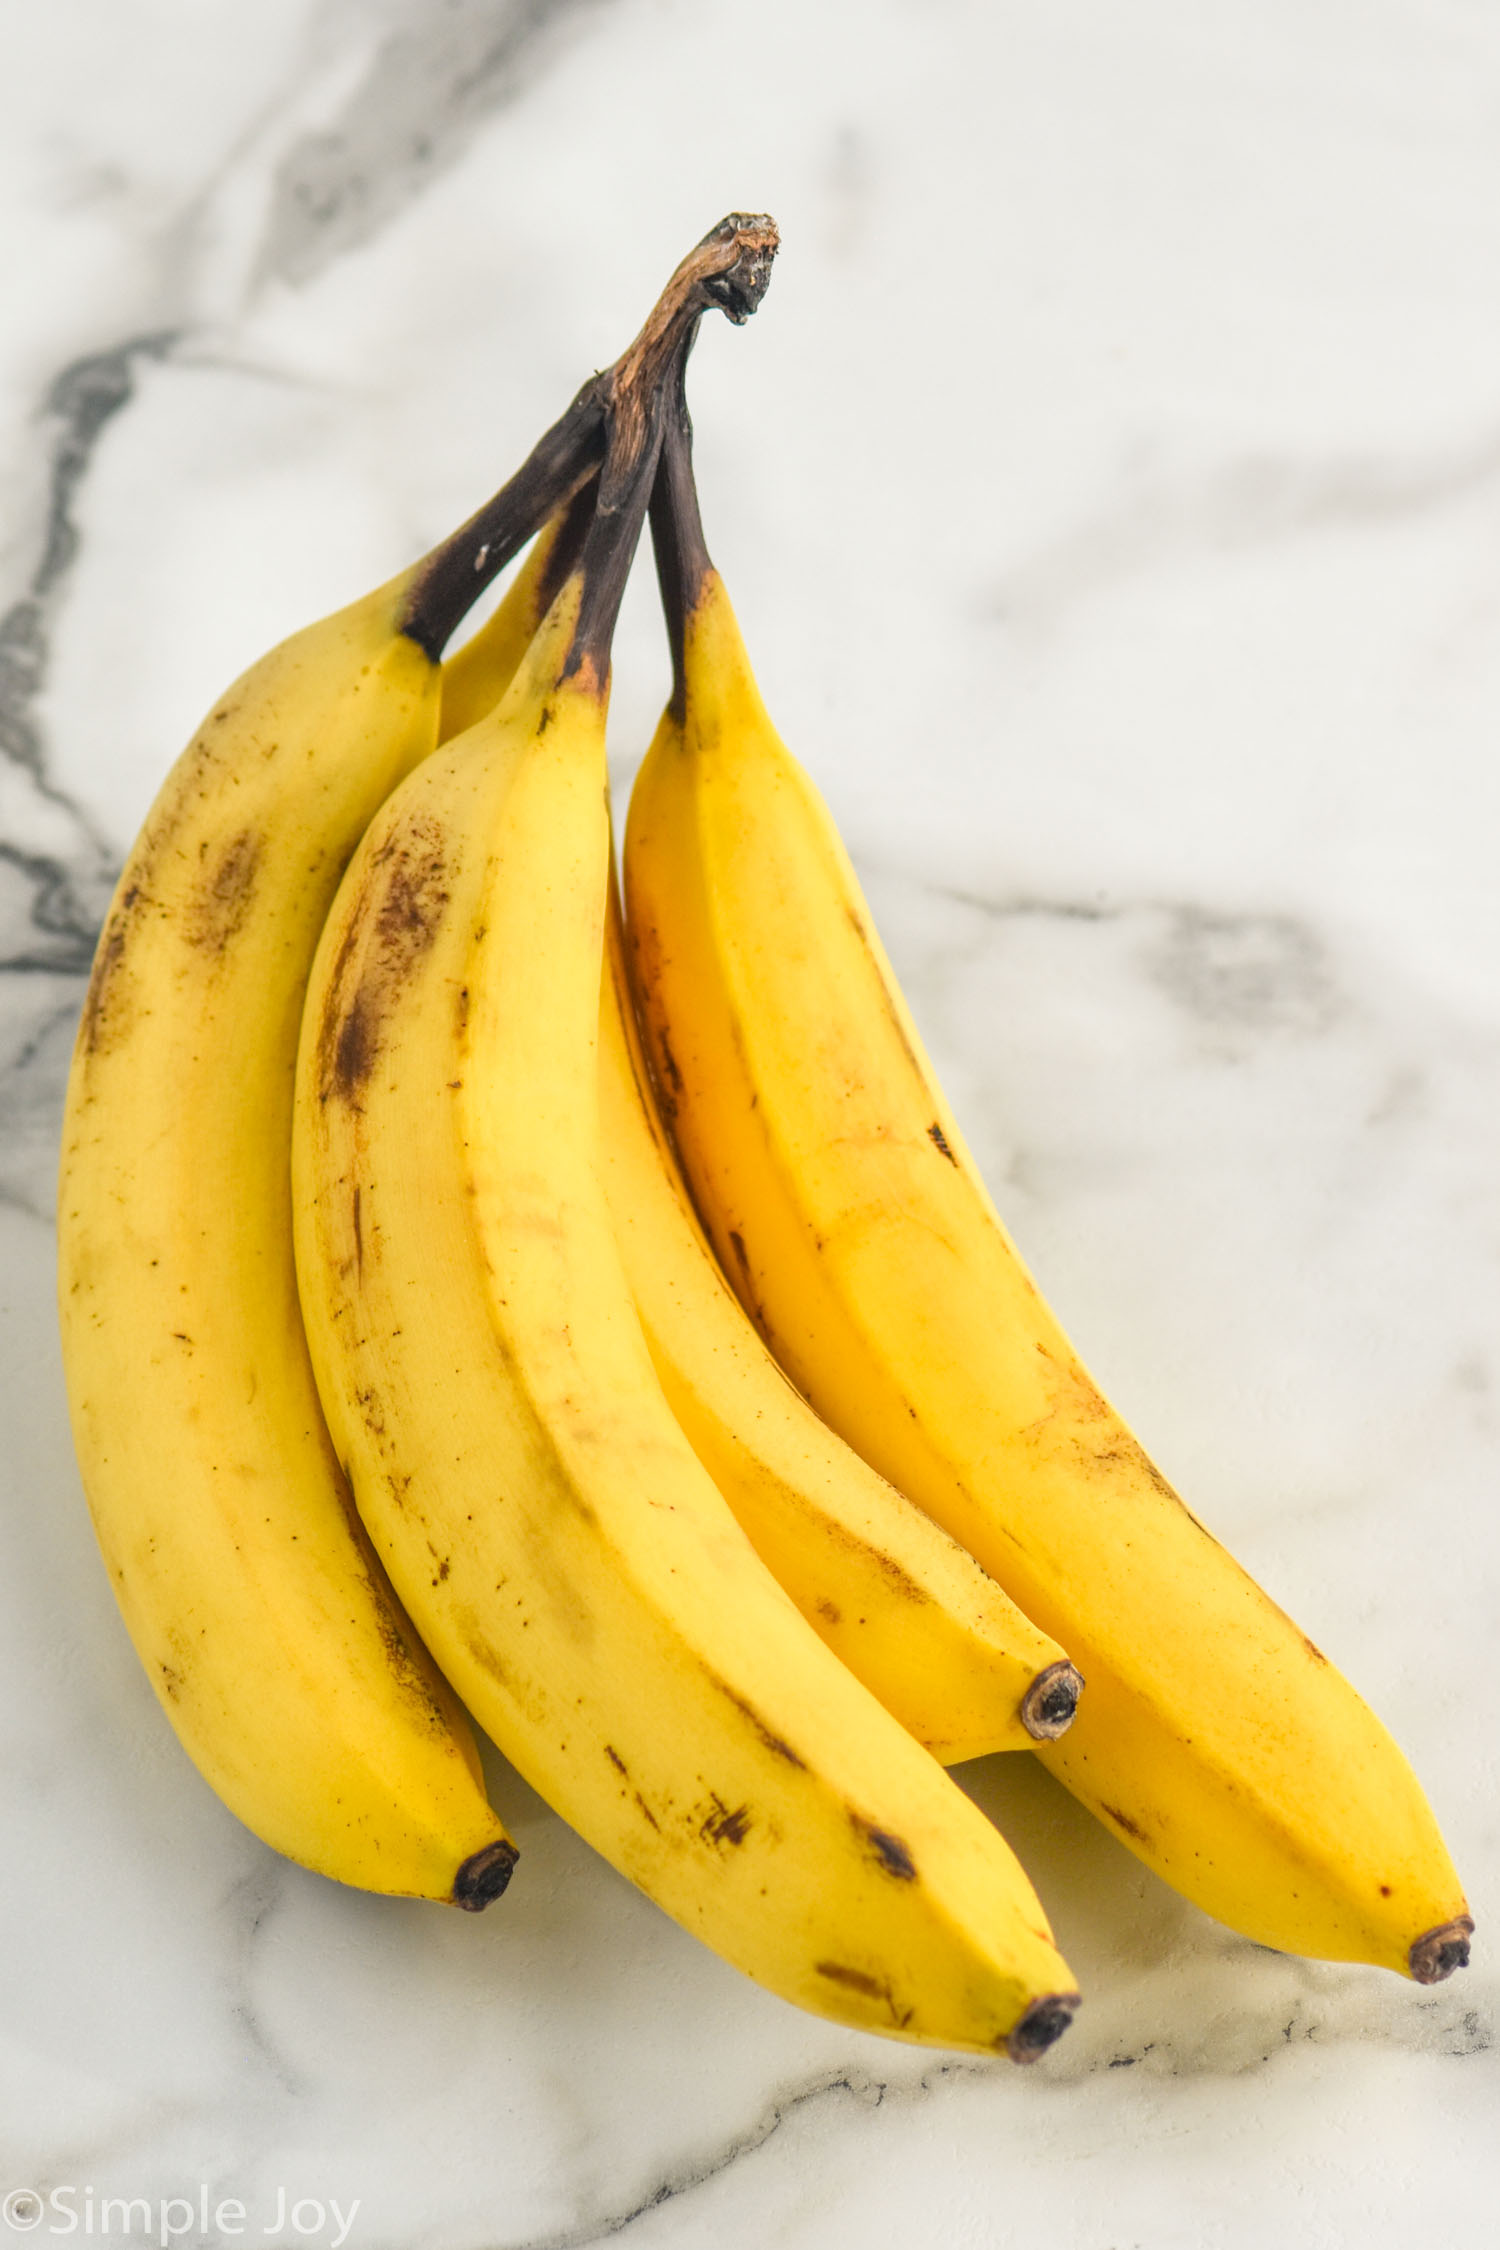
[
  {"x": 1437, "y": 1953},
  {"x": 1050, "y": 1703},
  {"x": 1044, "y": 2022},
  {"x": 484, "y": 1875}
]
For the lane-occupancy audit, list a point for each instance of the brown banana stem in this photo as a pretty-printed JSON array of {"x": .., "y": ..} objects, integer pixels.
[
  {"x": 682, "y": 559},
  {"x": 612, "y": 422}
]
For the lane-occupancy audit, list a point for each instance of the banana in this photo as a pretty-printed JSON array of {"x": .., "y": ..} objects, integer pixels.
[
  {"x": 265, "y": 1624},
  {"x": 908, "y": 1611},
  {"x": 1215, "y": 1740},
  {"x": 264, "y": 1621},
  {"x": 906, "y": 1608},
  {"x": 567, "y": 1558}
]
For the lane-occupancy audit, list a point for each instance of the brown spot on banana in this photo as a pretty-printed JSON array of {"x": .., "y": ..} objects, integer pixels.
[
  {"x": 939, "y": 1140},
  {"x": 888, "y": 1851},
  {"x": 1123, "y": 1821},
  {"x": 855, "y": 1979},
  {"x": 393, "y": 926},
  {"x": 873, "y": 1988},
  {"x": 222, "y": 900},
  {"x": 726, "y": 1825},
  {"x": 772, "y": 1741},
  {"x": 103, "y": 1016}
]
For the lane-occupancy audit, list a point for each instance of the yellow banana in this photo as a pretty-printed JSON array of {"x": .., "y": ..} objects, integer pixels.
[
  {"x": 265, "y": 1623},
  {"x": 1215, "y": 1739},
  {"x": 569, "y": 1561},
  {"x": 905, "y": 1607}
]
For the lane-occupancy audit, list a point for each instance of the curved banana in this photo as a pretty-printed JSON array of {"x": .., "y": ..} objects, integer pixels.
[
  {"x": 267, "y": 1627},
  {"x": 910, "y": 1613},
  {"x": 1215, "y": 1740},
  {"x": 905, "y": 1607},
  {"x": 565, "y": 1554}
]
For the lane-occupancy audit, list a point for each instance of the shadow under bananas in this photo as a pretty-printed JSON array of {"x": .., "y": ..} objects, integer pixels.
[{"x": 1170, "y": 1991}]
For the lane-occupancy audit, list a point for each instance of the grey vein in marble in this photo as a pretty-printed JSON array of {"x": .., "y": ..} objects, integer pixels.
[
  {"x": 1246, "y": 969},
  {"x": 80, "y": 402},
  {"x": 1162, "y": 515},
  {"x": 428, "y": 88},
  {"x": 683, "y": 2179}
]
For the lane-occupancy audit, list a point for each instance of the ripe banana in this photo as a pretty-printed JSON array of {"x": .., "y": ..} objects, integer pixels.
[
  {"x": 266, "y": 1625},
  {"x": 910, "y": 1613},
  {"x": 568, "y": 1559},
  {"x": 1215, "y": 1740}
]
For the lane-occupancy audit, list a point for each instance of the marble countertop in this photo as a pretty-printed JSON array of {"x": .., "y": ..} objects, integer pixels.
[{"x": 1110, "y": 491}]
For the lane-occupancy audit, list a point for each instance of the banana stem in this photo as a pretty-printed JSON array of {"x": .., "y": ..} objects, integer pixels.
[
  {"x": 626, "y": 480},
  {"x": 455, "y": 574},
  {"x": 611, "y": 428},
  {"x": 682, "y": 559}
]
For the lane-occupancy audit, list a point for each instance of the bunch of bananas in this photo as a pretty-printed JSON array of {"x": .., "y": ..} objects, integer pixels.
[{"x": 478, "y": 1297}]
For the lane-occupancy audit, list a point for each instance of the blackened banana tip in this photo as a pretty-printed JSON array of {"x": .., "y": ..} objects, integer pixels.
[
  {"x": 1437, "y": 1953},
  {"x": 483, "y": 1876},
  {"x": 1043, "y": 2024},
  {"x": 1050, "y": 1704}
]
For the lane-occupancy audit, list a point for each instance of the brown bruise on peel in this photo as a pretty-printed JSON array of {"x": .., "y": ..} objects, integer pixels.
[
  {"x": 1123, "y": 1821},
  {"x": 939, "y": 1140},
  {"x": 223, "y": 898},
  {"x": 669, "y": 1061},
  {"x": 394, "y": 925},
  {"x": 871, "y": 1988},
  {"x": 404, "y": 1652},
  {"x": 772, "y": 1741},
  {"x": 103, "y": 1017},
  {"x": 900, "y": 1580},
  {"x": 746, "y": 1290},
  {"x": 888, "y": 1851},
  {"x": 725, "y": 1824}
]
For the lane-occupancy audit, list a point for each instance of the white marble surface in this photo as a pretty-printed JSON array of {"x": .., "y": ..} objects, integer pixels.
[{"x": 1110, "y": 490}]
